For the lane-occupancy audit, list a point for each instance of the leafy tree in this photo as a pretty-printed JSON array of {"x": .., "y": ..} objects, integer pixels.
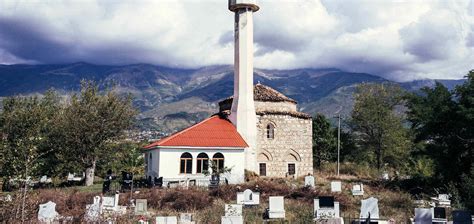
[
  {"x": 90, "y": 122},
  {"x": 123, "y": 156},
  {"x": 24, "y": 125},
  {"x": 377, "y": 127},
  {"x": 443, "y": 122},
  {"x": 324, "y": 140}
]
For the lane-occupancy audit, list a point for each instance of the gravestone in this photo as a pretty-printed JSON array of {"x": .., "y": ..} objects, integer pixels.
[
  {"x": 462, "y": 217},
  {"x": 232, "y": 220},
  {"x": 47, "y": 212},
  {"x": 439, "y": 213},
  {"x": 358, "y": 189},
  {"x": 107, "y": 181},
  {"x": 326, "y": 208},
  {"x": 336, "y": 186},
  {"x": 214, "y": 181},
  {"x": 70, "y": 177},
  {"x": 309, "y": 181},
  {"x": 141, "y": 207},
  {"x": 233, "y": 210},
  {"x": 443, "y": 200},
  {"x": 369, "y": 208},
  {"x": 248, "y": 197},
  {"x": 93, "y": 210},
  {"x": 166, "y": 220},
  {"x": 110, "y": 204},
  {"x": 423, "y": 216},
  {"x": 45, "y": 180},
  {"x": 186, "y": 218},
  {"x": 158, "y": 181},
  {"x": 233, "y": 214},
  {"x": 127, "y": 180},
  {"x": 385, "y": 176},
  {"x": 276, "y": 208},
  {"x": 8, "y": 198}
]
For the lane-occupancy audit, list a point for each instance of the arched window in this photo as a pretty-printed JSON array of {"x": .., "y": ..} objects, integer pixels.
[
  {"x": 202, "y": 162},
  {"x": 270, "y": 131},
  {"x": 218, "y": 159},
  {"x": 186, "y": 163}
]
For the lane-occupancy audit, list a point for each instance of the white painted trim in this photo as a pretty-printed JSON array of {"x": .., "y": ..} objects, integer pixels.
[{"x": 197, "y": 148}]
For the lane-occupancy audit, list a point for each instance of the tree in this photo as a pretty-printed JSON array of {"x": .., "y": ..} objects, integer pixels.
[
  {"x": 443, "y": 122},
  {"x": 124, "y": 156},
  {"x": 324, "y": 140},
  {"x": 24, "y": 125},
  {"x": 376, "y": 125},
  {"x": 90, "y": 122}
]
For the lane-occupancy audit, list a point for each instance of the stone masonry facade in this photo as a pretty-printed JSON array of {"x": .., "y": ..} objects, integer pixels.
[
  {"x": 291, "y": 142},
  {"x": 289, "y": 148}
]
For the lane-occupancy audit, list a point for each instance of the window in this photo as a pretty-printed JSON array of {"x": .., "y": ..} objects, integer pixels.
[
  {"x": 202, "y": 162},
  {"x": 270, "y": 131},
  {"x": 218, "y": 159},
  {"x": 186, "y": 163},
  {"x": 291, "y": 169},
  {"x": 150, "y": 161},
  {"x": 263, "y": 169}
]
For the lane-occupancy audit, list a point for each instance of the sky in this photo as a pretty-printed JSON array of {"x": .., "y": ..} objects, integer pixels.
[{"x": 397, "y": 39}]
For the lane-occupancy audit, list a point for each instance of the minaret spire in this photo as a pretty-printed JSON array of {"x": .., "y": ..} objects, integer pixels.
[{"x": 243, "y": 107}]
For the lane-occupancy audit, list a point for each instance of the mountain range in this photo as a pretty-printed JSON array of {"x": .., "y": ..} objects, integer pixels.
[{"x": 170, "y": 99}]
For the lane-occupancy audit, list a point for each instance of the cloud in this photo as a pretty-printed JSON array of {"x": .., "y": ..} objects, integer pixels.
[{"x": 397, "y": 39}]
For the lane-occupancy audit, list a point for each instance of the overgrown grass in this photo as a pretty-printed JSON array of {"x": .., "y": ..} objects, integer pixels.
[{"x": 208, "y": 206}]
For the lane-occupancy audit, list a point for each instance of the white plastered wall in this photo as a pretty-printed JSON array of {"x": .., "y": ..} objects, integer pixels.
[{"x": 168, "y": 165}]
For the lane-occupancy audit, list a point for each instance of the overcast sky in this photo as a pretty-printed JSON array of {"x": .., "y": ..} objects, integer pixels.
[{"x": 399, "y": 39}]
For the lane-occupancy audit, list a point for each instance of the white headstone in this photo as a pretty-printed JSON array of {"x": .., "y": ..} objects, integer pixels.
[
  {"x": 140, "y": 206},
  {"x": 309, "y": 181},
  {"x": 358, "y": 189},
  {"x": 233, "y": 210},
  {"x": 108, "y": 202},
  {"x": 186, "y": 218},
  {"x": 336, "y": 186},
  {"x": 93, "y": 210},
  {"x": 442, "y": 200},
  {"x": 248, "y": 197},
  {"x": 8, "y": 198},
  {"x": 423, "y": 216},
  {"x": 323, "y": 212},
  {"x": 232, "y": 220},
  {"x": 385, "y": 176},
  {"x": 276, "y": 207},
  {"x": 370, "y": 207},
  {"x": 166, "y": 220},
  {"x": 47, "y": 212},
  {"x": 70, "y": 176},
  {"x": 444, "y": 197}
]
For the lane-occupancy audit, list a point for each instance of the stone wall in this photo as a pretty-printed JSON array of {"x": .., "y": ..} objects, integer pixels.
[
  {"x": 292, "y": 143},
  {"x": 274, "y": 106}
]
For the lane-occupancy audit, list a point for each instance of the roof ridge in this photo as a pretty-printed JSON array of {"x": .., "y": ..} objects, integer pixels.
[{"x": 173, "y": 136}]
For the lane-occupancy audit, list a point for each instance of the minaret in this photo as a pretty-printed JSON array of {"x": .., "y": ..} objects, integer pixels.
[{"x": 243, "y": 107}]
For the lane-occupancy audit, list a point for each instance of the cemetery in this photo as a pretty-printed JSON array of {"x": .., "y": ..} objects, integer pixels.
[
  {"x": 259, "y": 158},
  {"x": 327, "y": 200}
]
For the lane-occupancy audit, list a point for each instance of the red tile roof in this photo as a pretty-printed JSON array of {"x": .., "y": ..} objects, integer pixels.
[{"x": 212, "y": 132}]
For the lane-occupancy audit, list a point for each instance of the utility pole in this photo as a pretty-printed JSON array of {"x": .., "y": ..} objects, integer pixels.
[{"x": 338, "y": 141}]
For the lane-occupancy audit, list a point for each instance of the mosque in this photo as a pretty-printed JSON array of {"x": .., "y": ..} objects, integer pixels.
[{"x": 258, "y": 129}]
